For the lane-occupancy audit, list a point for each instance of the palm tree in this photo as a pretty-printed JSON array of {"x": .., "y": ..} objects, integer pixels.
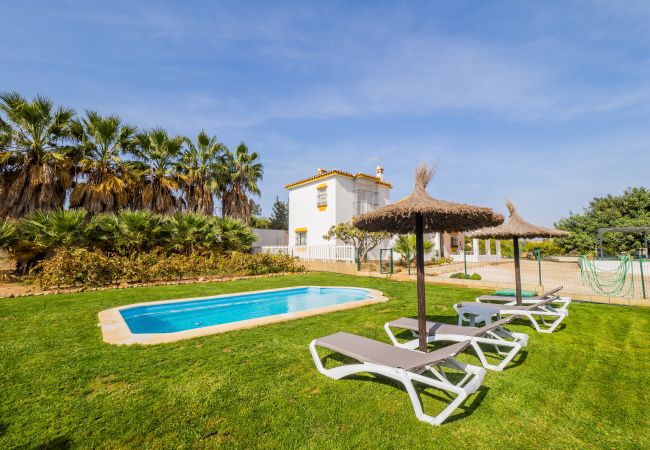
[
  {"x": 103, "y": 140},
  {"x": 50, "y": 231},
  {"x": 189, "y": 232},
  {"x": 405, "y": 246},
  {"x": 35, "y": 162},
  {"x": 243, "y": 171},
  {"x": 234, "y": 235},
  {"x": 135, "y": 177},
  {"x": 8, "y": 234},
  {"x": 202, "y": 172},
  {"x": 43, "y": 233},
  {"x": 137, "y": 231},
  {"x": 104, "y": 230},
  {"x": 159, "y": 153}
]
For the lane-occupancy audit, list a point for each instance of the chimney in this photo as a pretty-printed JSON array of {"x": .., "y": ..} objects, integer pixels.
[
  {"x": 320, "y": 171},
  {"x": 379, "y": 172}
]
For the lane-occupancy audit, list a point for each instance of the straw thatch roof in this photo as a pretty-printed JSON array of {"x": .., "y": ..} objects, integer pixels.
[
  {"x": 439, "y": 215},
  {"x": 516, "y": 227}
]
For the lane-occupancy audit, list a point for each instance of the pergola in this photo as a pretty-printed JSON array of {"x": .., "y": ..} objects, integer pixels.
[{"x": 638, "y": 230}]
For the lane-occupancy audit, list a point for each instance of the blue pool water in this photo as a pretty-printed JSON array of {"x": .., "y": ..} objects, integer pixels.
[{"x": 186, "y": 315}]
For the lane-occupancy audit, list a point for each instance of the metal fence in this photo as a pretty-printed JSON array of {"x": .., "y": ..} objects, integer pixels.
[
  {"x": 623, "y": 277},
  {"x": 580, "y": 276}
]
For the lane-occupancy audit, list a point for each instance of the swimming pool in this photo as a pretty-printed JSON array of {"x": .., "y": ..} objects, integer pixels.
[{"x": 171, "y": 320}]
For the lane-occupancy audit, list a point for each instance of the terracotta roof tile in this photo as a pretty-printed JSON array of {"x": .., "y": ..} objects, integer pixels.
[{"x": 330, "y": 173}]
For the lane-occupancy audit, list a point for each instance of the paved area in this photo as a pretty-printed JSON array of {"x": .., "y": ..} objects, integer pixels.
[{"x": 553, "y": 273}]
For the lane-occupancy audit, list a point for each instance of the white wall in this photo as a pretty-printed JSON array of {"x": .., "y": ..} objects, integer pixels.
[
  {"x": 304, "y": 212},
  {"x": 384, "y": 195},
  {"x": 344, "y": 199},
  {"x": 267, "y": 237}
]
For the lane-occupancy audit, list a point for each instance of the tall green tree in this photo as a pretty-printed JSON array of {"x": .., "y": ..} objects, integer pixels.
[
  {"x": 631, "y": 209},
  {"x": 280, "y": 215},
  {"x": 243, "y": 172},
  {"x": 202, "y": 172},
  {"x": 36, "y": 154},
  {"x": 103, "y": 186},
  {"x": 158, "y": 155}
]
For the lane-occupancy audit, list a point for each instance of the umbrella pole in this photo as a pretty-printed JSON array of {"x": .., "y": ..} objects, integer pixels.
[
  {"x": 419, "y": 262},
  {"x": 515, "y": 250}
]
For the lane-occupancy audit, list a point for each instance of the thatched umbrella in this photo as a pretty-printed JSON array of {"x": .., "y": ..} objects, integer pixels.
[
  {"x": 420, "y": 213},
  {"x": 514, "y": 228}
]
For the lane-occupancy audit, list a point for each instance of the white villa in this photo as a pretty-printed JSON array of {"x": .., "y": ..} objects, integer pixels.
[{"x": 331, "y": 197}]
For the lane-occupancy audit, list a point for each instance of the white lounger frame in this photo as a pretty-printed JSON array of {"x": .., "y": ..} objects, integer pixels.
[
  {"x": 562, "y": 301},
  {"x": 557, "y": 315},
  {"x": 465, "y": 387},
  {"x": 496, "y": 338}
]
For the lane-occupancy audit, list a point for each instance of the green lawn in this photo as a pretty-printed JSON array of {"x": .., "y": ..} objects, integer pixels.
[{"x": 587, "y": 385}]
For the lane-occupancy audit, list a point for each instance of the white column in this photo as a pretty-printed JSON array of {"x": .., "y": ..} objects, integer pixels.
[
  {"x": 498, "y": 247},
  {"x": 475, "y": 249},
  {"x": 488, "y": 251}
]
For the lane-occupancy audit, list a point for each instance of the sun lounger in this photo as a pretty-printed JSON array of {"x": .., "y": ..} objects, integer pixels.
[
  {"x": 474, "y": 312},
  {"x": 506, "y": 343},
  {"x": 405, "y": 366},
  {"x": 558, "y": 303}
]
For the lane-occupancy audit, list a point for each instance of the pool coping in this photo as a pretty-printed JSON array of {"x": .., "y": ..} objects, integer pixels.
[{"x": 116, "y": 331}]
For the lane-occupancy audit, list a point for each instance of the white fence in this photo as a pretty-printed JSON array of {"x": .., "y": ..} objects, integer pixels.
[{"x": 315, "y": 252}]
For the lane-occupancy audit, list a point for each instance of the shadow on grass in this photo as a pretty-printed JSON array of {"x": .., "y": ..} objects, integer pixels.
[
  {"x": 527, "y": 323},
  {"x": 470, "y": 405},
  {"x": 58, "y": 443},
  {"x": 464, "y": 410}
]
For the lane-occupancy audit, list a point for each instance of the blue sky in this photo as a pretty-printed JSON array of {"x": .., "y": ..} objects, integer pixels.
[{"x": 547, "y": 103}]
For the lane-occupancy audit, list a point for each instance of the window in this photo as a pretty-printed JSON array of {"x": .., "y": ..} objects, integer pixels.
[
  {"x": 321, "y": 196},
  {"x": 454, "y": 241},
  {"x": 301, "y": 238}
]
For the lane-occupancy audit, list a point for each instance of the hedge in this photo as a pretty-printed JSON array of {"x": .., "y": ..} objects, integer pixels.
[{"x": 94, "y": 268}]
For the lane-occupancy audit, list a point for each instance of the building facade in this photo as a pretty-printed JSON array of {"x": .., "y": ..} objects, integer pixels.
[{"x": 329, "y": 198}]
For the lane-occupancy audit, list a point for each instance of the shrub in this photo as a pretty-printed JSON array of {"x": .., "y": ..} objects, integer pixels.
[
  {"x": 93, "y": 268},
  {"x": 405, "y": 246},
  {"x": 547, "y": 248},
  {"x": 442, "y": 261},
  {"x": 79, "y": 266},
  {"x": 462, "y": 276},
  {"x": 8, "y": 234}
]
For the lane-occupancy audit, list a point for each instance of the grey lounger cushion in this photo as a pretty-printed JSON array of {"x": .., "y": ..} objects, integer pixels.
[
  {"x": 371, "y": 351},
  {"x": 531, "y": 307},
  {"x": 434, "y": 328}
]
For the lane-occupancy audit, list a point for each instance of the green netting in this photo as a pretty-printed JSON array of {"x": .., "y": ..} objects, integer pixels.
[{"x": 617, "y": 282}]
